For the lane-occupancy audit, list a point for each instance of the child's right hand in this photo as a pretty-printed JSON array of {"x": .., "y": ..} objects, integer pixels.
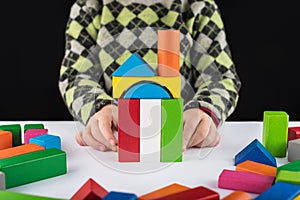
[{"x": 99, "y": 130}]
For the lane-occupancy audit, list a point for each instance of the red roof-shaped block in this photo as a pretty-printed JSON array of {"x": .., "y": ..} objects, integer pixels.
[{"x": 90, "y": 191}]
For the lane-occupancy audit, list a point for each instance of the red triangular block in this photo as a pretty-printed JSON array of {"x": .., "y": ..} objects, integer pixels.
[{"x": 90, "y": 190}]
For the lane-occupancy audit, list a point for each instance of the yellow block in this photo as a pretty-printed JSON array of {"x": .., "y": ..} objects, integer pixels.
[
  {"x": 297, "y": 198},
  {"x": 121, "y": 84}
]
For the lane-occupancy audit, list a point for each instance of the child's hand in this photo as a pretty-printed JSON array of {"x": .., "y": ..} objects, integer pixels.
[
  {"x": 199, "y": 130},
  {"x": 99, "y": 130}
]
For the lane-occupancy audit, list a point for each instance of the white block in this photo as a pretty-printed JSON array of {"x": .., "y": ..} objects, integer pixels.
[
  {"x": 2, "y": 181},
  {"x": 294, "y": 150},
  {"x": 150, "y": 130}
]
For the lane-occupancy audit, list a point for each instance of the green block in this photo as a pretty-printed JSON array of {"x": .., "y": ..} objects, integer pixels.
[
  {"x": 292, "y": 166},
  {"x": 33, "y": 126},
  {"x": 27, "y": 168},
  {"x": 171, "y": 131},
  {"x": 18, "y": 196},
  {"x": 15, "y": 129},
  {"x": 288, "y": 177},
  {"x": 275, "y": 132}
]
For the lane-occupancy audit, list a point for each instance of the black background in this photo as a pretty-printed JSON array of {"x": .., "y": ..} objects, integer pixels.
[{"x": 263, "y": 35}]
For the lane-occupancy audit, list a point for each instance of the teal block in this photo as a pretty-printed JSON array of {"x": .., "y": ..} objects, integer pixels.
[
  {"x": 47, "y": 141},
  {"x": 120, "y": 196},
  {"x": 6, "y": 195},
  {"x": 33, "y": 126},
  {"x": 31, "y": 167},
  {"x": 171, "y": 131},
  {"x": 147, "y": 91},
  {"x": 275, "y": 132},
  {"x": 292, "y": 166},
  {"x": 15, "y": 129}
]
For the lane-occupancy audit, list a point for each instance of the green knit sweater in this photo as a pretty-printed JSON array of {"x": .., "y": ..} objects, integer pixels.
[{"x": 102, "y": 34}]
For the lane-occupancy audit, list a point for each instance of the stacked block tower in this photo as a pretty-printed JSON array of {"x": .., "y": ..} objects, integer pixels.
[{"x": 150, "y": 108}]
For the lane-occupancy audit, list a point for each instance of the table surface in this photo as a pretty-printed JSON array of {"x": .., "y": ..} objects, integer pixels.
[{"x": 200, "y": 167}]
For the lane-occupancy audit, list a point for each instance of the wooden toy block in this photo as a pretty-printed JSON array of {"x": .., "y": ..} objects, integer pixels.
[
  {"x": 168, "y": 52},
  {"x": 146, "y": 90},
  {"x": 292, "y": 166},
  {"x": 255, "y": 167},
  {"x": 198, "y": 193},
  {"x": 47, "y": 141},
  {"x": 294, "y": 150},
  {"x": 35, "y": 166},
  {"x": 275, "y": 132},
  {"x": 31, "y": 133},
  {"x": 120, "y": 196},
  {"x": 280, "y": 191},
  {"x": 171, "y": 131},
  {"x": 288, "y": 177},
  {"x": 256, "y": 152},
  {"x": 134, "y": 66},
  {"x": 129, "y": 130},
  {"x": 22, "y": 149},
  {"x": 2, "y": 181},
  {"x": 297, "y": 198},
  {"x": 245, "y": 181},
  {"x": 163, "y": 192},
  {"x": 238, "y": 195},
  {"x": 123, "y": 84},
  {"x": 33, "y": 126},
  {"x": 15, "y": 129},
  {"x": 90, "y": 190},
  {"x": 5, "y": 139},
  {"x": 293, "y": 133},
  {"x": 150, "y": 130},
  {"x": 7, "y": 195}
]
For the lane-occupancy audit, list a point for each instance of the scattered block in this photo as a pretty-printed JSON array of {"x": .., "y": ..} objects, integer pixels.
[
  {"x": 238, "y": 195},
  {"x": 198, "y": 193},
  {"x": 5, "y": 139},
  {"x": 90, "y": 190},
  {"x": 294, "y": 150},
  {"x": 120, "y": 196},
  {"x": 35, "y": 166},
  {"x": 255, "y": 167},
  {"x": 245, "y": 181},
  {"x": 288, "y": 177},
  {"x": 31, "y": 133},
  {"x": 171, "y": 131},
  {"x": 275, "y": 132},
  {"x": 256, "y": 152},
  {"x": 292, "y": 166},
  {"x": 2, "y": 181},
  {"x": 47, "y": 141},
  {"x": 7, "y": 195},
  {"x": 129, "y": 130},
  {"x": 33, "y": 126},
  {"x": 144, "y": 90},
  {"x": 15, "y": 129},
  {"x": 280, "y": 191},
  {"x": 22, "y": 149},
  {"x": 293, "y": 133},
  {"x": 163, "y": 192}
]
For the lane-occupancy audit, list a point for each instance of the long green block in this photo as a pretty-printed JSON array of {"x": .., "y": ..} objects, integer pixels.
[
  {"x": 31, "y": 167},
  {"x": 171, "y": 131},
  {"x": 275, "y": 132},
  {"x": 6, "y": 195},
  {"x": 292, "y": 166},
  {"x": 33, "y": 126},
  {"x": 288, "y": 177},
  {"x": 15, "y": 129}
]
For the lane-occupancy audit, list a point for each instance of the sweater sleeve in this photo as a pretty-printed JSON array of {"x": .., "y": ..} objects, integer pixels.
[
  {"x": 79, "y": 83},
  {"x": 215, "y": 80}
]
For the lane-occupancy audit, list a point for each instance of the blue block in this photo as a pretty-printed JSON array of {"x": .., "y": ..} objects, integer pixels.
[
  {"x": 280, "y": 191},
  {"x": 47, "y": 141},
  {"x": 256, "y": 152},
  {"x": 147, "y": 91},
  {"x": 134, "y": 66},
  {"x": 120, "y": 196}
]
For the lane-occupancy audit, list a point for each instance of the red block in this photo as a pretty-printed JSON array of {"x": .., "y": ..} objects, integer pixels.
[
  {"x": 129, "y": 130},
  {"x": 294, "y": 133},
  {"x": 245, "y": 181},
  {"x": 90, "y": 191},
  {"x": 198, "y": 193}
]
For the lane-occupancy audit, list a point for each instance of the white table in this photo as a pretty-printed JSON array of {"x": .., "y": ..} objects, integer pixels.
[{"x": 200, "y": 167}]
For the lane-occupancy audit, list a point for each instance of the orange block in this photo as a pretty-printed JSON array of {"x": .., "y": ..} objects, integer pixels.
[
  {"x": 238, "y": 195},
  {"x": 168, "y": 52},
  {"x": 255, "y": 167},
  {"x": 5, "y": 139},
  {"x": 165, "y": 191},
  {"x": 22, "y": 149}
]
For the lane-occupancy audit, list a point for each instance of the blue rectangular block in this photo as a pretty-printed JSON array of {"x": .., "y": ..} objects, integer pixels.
[
  {"x": 47, "y": 141},
  {"x": 280, "y": 191},
  {"x": 120, "y": 196}
]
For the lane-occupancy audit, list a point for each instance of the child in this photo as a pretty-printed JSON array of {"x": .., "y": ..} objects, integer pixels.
[{"x": 96, "y": 23}]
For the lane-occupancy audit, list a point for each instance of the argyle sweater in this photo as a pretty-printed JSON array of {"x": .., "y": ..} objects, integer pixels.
[{"x": 102, "y": 34}]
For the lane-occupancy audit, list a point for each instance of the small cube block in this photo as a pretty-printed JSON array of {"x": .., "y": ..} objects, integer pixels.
[
  {"x": 5, "y": 139},
  {"x": 293, "y": 133},
  {"x": 2, "y": 181},
  {"x": 238, "y": 195},
  {"x": 255, "y": 167},
  {"x": 280, "y": 191},
  {"x": 120, "y": 196},
  {"x": 90, "y": 190},
  {"x": 292, "y": 166},
  {"x": 15, "y": 129},
  {"x": 165, "y": 191},
  {"x": 22, "y": 149},
  {"x": 47, "y": 141},
  {"x": 294, "y": 150},
  {"x": 33, "y": 126},
  {"x": 288, "y": 177},
  {"x": 31, "y": 133}
]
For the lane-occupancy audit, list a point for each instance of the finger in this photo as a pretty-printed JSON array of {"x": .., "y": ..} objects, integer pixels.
[
  {"x": 99, "y": 136},
  {"x": 106, "y": 130},
  {"x": 202, "y": 131},
  {"x": 91, "y": 141},
  {"x": 79, "y": 139},
  {"x": 189, "y": 130},
  {"x": 212, "y": 138}
]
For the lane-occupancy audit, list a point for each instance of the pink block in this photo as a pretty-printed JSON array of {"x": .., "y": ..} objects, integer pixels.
[
  {"x": 31, "y": 133},
  {"x": 245, "y": 181}
]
